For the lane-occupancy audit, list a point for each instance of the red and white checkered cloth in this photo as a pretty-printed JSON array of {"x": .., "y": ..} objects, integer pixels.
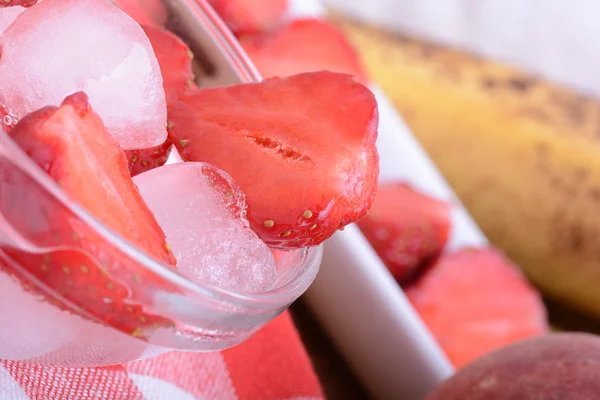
[{"x": 272, "y": 365}]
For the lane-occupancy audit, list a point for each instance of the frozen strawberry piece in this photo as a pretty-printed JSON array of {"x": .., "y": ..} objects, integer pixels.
[
  {"x": 175, "y": 60},
  {"x": 21, "y": 3},
  {"x": 71, "y": 144},
  {"x": 146, "y": 159},
  {"x": 476, "y": 301},
  {"x": 301, "y": 148},
  {"x": 90, "y": 46},
  {"x": 304, "y": 45},
  {"x": 250, "y": 15},
  {"x": 406, "y": 228}
]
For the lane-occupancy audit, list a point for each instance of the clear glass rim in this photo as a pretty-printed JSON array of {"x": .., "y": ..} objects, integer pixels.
[{"x": 273, "y": 298}]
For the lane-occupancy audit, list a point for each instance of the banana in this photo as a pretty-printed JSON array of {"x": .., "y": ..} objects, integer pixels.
[{"x": 521, "y": 153}]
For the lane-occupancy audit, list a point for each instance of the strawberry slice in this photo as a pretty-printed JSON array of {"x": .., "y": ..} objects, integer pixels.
[
  {"x": 305, "y": 45},
  {"x": 22, "y": 3},
  {"x": 146, "y": 159},
  {"x": 301, "y": 148},
  {"x": 407, "y": 229},
  {"x": 72, "y": 145},
  {"x": 476, "y": 301},
  {"x": 175, "y": 60},
  {"x": 250, "y": 15}
]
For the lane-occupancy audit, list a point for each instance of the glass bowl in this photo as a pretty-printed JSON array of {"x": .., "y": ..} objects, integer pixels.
[{"x": 167, "y": 312}]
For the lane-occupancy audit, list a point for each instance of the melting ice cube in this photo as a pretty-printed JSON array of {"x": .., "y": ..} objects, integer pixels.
[
  {"x": 58, "y": 47},
  {"x": 202, "y": 212}
]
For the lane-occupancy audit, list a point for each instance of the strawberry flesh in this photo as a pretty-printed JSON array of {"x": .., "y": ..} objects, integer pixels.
[
  {"x": 301, "y": 148},
  {"x": 250, "y": 15},
  {"x": 71, "y": 144},
  {"x": 476, "y": 301},
  {"x": 304, "y": 45},
  {"x": 407, "y": 229},
  {"x": 144, "y": 160}
]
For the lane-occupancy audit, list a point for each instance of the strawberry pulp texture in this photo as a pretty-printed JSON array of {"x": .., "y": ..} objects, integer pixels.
[
  {"x": 72, "y": 146},
  {"x": 301, "y": 148}
]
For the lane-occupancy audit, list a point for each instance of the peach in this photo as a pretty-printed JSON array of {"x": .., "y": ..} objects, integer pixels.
[{"x": 557, "y": 366}]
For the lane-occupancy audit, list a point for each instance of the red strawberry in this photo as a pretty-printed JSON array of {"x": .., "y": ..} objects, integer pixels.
[
  {"x": 407, "y": 229},
  {"x": 250, "y": 15},
  {"x": 22, "y": 3},
  {"x": 146, "y": 159},
  {"x": 476, "y": 301},
  {"x": 175, "y": 60},
  {"x": 301, "y": 148},
  {"x": 305, "y": 45},
  {"x": 72, "y": 145}
]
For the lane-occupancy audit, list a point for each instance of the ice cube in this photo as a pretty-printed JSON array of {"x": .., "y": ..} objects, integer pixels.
[
  {"x": 59, "y": 47},
  {"x": 203, "y": 214}
]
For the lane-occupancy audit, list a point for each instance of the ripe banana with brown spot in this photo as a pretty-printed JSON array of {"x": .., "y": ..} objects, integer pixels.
[{"x": 522, "y": 154}]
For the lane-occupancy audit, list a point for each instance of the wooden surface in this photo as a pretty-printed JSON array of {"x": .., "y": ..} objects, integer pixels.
[{"x": 337, "y": 380}]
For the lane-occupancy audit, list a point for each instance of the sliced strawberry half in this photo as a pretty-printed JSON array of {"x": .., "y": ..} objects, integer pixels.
[
  {"x": 72, "y": 145},
  {"x": 146, "y": 159},
  {"x": 305, "y": 45},
  {"x": 301, "y": 148},
  {"x": 406, "y": 228},
  {"x": 22, "y": 3},
  {"x": 175, "y": 60},
  {"x": 250, "y": 15},
  {"x": 75, "y": 277},
  {"x": 476, "y": 301}
]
